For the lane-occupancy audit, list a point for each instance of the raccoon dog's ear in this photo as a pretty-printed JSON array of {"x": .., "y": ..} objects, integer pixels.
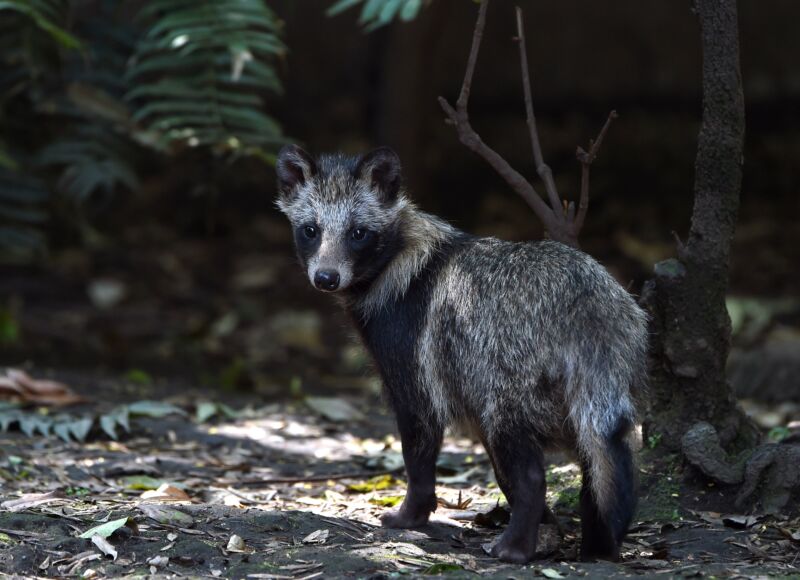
[
  {"x": 381, "y": 168},
  {"x": 294, "y": 168}
]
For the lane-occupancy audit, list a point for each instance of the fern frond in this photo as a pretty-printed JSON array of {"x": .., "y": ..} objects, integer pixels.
[
  {"x": 46, "y": 14},
  {"x": 23, "y": 211},
  {"x": 91, "y": 159},
  {"x": 200, "y": 70},
  {"x": 377, "y": 13}
]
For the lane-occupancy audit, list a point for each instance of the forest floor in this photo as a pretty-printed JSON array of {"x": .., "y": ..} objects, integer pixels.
[
  {"x": 288, "y": 478},
  {"x": 294, "y": 490}
]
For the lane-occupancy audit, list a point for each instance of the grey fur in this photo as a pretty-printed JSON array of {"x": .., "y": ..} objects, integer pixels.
[{"x": 531, "y": 334}]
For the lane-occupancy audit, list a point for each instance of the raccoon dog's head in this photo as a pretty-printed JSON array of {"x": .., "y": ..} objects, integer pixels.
[{"x": 344, "y": 212}]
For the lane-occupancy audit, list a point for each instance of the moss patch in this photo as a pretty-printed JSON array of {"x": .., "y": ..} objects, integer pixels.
[{"x": 659, "y": 499}]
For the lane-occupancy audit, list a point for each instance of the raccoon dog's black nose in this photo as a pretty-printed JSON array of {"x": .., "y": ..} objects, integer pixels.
[{"x": 326, "y": 280}]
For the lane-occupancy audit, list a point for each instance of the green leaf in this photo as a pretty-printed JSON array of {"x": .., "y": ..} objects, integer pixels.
[
  {"x": 80, "y": 428},
  {"x": 370, "y": 10},
  {"x": 106, "y": 529},
  {"x": 141, "y": 482},
  {"x": 205, "y": 410},
  {"x": 9, "y": 327},
  {"x": 63, "y": 431},
  {"x": 441, "y": 568},
  {"x": 341, "y": 6},
  {"x": 154, "y": 409},
  {"x": 139, "y": 377},
  {"x": 377, "y": 483},
  {"x": 410, "y": 10},
  {"x": 109, "y": 425},
  {"x": 7, "y": 418},
  {"x": 41, "y": 20},
  {"x": 28, "y": 424},
  {"x": 389, "y": 10},
  {"x": 387, "y": 500}
]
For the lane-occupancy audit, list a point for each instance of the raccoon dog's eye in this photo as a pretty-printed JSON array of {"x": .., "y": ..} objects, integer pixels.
[
  {"x": 359, "y": 234},
  {"x": 310, "y": 232}
]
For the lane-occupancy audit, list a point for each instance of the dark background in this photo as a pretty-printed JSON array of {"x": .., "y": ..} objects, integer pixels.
[
  {"x": 210, "y": 288},
  {"x": 348, "y": 90}
]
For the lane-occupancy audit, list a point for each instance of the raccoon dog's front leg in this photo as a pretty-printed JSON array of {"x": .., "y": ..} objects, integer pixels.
[
  {"x": 522, "y": 467},
  {"x": 421, "y": 441}
]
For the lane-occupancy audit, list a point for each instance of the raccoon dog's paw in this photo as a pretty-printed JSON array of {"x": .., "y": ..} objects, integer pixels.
[
  {"x": 403, "y": 519},
  {"x": 411, "y": 514},
  {"x": 514, "y": 550}
]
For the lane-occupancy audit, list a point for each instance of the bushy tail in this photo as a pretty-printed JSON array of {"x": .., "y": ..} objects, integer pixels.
[{"x": 603, "y": 414}]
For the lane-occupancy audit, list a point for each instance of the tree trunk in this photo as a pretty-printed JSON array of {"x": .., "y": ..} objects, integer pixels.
[{"x": 686, "y": 298}]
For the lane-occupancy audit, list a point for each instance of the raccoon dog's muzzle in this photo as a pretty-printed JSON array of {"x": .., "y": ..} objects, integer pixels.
[
  {"x": 327, "y": 280},
  {"x": 329, "y": 269}
]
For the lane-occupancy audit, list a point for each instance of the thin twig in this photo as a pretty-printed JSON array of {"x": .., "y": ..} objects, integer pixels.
[
  {"x": 332, "y": 476},
  {"x": 561, "y": 221},
  {"x": 459, "y": 117},
  {"x": 542, "y": 168},
  {"x": 477, "y": 36},
  {"x": 586, "y": 160}
]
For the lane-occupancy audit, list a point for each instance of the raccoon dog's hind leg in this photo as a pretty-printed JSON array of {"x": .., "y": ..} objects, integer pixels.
[
  {"x": 605, "y": 520},
  {"x": 421, "y": 439},
  {"x": 519, "y": 468}
]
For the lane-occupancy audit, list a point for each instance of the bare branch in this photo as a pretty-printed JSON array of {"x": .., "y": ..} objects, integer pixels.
[
  {"x": 541, "y": 167},
  {"x": 562, "y": 221},
  {"x": 586, "y": 158},
  {"x": 477, "y": 36},
  {"x": 467, "y": 135}
]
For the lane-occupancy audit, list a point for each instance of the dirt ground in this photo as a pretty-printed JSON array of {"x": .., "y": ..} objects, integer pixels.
[
  {"x": 294, "y": 489},
  {"x": 288, "y": 478}
]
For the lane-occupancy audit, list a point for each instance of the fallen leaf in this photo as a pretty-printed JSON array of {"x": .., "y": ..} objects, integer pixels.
[
  {"x": 408, "y": 550},
  {"x": 377, "y": 483},
  {"x": 166, "y": 492},
  {"x": 165, "y": 515},
  {"x": 551, "y": 573},
  {"x": 740, "y": 521},
  {"x": 236, "y": 544},
  {"x": 334, "y": 409},
  {"x": 387, "y": 501},
  {"x": 19, "y": 385},
  {"x": 106, "y": 529},
  {"x": 141, "y": 482},
  {"x": 316, "y": 537},
  {"x": 104, "y": 546},
  {"x": 45, "y": 564},
  {"x": 158, "y": 561},
  {"x": 29, "y": 500},
  {"x": 461, "y": 504},
  {"x": 494, "y": 518}
]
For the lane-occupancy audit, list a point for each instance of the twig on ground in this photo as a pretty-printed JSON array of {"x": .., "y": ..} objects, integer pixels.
[{"x": 332, "y": 476}]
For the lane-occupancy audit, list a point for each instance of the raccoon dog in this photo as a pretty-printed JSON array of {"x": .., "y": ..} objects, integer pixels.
[{"x": 531, "y": 344}]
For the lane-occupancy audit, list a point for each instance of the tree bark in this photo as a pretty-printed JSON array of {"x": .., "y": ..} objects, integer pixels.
[{"x": 686, "y": 298}]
